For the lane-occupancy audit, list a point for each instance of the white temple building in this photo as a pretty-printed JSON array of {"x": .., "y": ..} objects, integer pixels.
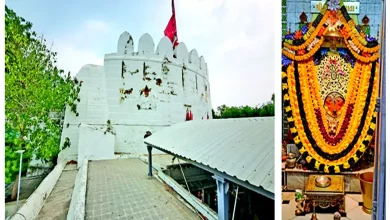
[{"x": 135, "y": 92}]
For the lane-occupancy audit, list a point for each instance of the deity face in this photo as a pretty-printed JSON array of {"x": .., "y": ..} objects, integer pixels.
[{"x": 333, "y": 104}]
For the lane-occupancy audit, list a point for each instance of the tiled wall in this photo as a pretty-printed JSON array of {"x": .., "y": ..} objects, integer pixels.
[
  {"x": 284, "y": 17},
  {"x": 371, "y": 8}
]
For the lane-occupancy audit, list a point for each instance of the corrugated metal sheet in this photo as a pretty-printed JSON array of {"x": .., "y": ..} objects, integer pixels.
[{"x": 241, "y": 148}]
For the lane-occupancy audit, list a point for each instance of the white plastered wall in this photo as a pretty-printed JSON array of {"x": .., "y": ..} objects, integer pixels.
[{"x": 184, "y": 79}]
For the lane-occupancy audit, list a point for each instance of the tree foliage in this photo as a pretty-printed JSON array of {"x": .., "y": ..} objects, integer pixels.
[
  {"x": 266, "y": 109},
  {"x": 34, "y": 87}
]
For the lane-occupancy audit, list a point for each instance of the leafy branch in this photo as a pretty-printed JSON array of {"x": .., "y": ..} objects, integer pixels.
[{"x": 34, "y": 88}]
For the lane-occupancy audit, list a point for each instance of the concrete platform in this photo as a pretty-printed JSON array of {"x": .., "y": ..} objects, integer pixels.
[{"x": 121, "y": 189}]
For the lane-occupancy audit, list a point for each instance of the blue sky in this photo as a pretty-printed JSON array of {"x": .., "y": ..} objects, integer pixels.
[{"x": 235, "y": 37}]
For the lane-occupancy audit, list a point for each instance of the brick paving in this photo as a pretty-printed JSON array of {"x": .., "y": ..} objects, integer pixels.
[{"x": 121, "y": 189}]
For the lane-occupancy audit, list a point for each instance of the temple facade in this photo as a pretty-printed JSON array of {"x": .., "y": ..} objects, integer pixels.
[
  {"x": 136, "y": 92},
  {"x": 293, "y": 9}
]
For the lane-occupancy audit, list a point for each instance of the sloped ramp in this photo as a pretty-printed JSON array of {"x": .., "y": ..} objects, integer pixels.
[{"x": 57, "y": 205}]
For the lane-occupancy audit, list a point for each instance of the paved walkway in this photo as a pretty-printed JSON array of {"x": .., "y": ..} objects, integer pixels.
[
  {"x": 121, "y": 189},
  {"x": 56, "y": 207}
]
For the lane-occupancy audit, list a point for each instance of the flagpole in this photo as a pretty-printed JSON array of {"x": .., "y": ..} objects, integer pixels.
[
  {"x": 173, "y": 7},
  {"x": 174, "y": 15}
]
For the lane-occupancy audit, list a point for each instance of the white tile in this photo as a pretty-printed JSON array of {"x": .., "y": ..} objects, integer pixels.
[
  {"x": 356, "y": 197},
  {"x": 350, "y": 203},
  {"x": 288, "y": 211},
  {"x": 358, "y": 214}
]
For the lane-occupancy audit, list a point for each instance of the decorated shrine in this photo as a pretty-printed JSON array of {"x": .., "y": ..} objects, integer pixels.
[
  {"x": 330, "y": 86},
  {"x": 330, "y": 73}
]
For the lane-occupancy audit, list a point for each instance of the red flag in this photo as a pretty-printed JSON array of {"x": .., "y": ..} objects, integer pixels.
[{"x": 171, "y": 30}]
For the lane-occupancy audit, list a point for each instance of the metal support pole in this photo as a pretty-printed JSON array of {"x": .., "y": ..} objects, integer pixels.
[
  {"x": 379, "y": 203},
  {"x": 235, "y": 204},
  {"x": 20, "y": 176},
  {"x": 150, "y": 160},
  {"x": 223, "y": 198}
]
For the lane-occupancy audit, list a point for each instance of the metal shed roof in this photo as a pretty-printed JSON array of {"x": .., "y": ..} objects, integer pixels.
[{"x": 241, "y": 148}]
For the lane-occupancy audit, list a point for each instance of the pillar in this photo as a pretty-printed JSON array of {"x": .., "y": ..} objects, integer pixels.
[
  {"x": 150, "y": 160},
  {"x": 379, "y": 200},
  {"x": 222, "y": 197}
]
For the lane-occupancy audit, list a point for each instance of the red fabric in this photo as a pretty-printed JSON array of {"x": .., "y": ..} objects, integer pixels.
[
  {"x": 171, "y": 30},
  {"x": 191, "y": 116},
  {"x": 187, "y": 116}
]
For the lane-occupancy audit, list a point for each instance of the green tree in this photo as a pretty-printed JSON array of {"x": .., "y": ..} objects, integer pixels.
[
  {"x": 34, "y": 87},
  {"x": 215, "y": 116},
  {"x": 266, "y": 109},
  {"x": 221, "y": 109}
]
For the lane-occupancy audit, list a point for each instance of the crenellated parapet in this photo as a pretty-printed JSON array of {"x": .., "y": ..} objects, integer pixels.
[
  {"x": 148, "y": 50},
  {"x": 139, "y": 90}
]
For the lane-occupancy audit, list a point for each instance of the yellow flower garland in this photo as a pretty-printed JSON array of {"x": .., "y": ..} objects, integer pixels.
[
  {"x": 357, "y": 39},
  {"x": 311, "y": 118},
  {"x": 292, "y": 51},
  {"x": 310, "y": 35},
  {"x": 301, "y": 138},
  {"x": 305, "y": 56}
]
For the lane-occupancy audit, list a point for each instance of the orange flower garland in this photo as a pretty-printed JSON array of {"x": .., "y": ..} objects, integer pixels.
[
  {"x": 325, "y": 164},
  {"x": 304, "y": 56},
  {"x": 357, "y": 39},
  {"x": 348, "y": 30},
  {"x": 311, "y": 117},
  {"x": 310, "y": 35},
  {"x": 305, "y": 112}
]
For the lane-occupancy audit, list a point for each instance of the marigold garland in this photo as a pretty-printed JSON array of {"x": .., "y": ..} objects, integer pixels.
[
  {"x": 306, "y": 56},
  {"x": 313, "y": 119},
  {"x": 353, "y": 39},
  {"x": 304, "y": 104},
  {"x": 297, "y": 125},
  {"x": 308, "y": 37},
  {"x": 355, "y": 74},
  {"x": 350, "y": 29},
  {"x": 328, "y": 142}
]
